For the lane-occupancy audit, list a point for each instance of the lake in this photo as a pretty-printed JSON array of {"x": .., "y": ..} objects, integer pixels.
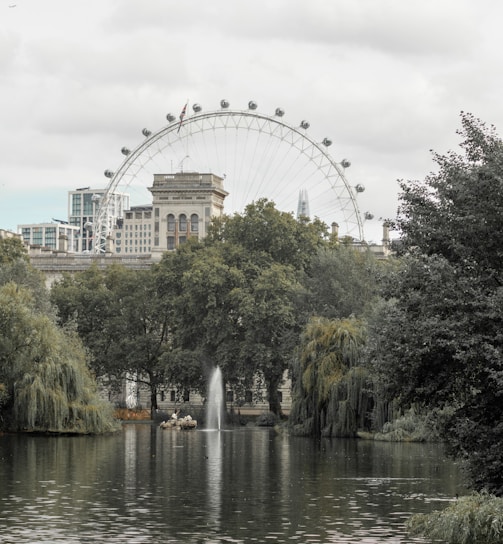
[{"x": 248, "y": 484}]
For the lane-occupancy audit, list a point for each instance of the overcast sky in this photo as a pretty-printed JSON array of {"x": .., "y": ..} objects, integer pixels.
[{"x": 386, "y": 80}]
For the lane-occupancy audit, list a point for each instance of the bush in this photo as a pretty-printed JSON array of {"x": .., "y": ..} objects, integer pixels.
[
  {"x": 411, "y": 427},
  {"x": 474, "y": 519},
  {"x": 267, "y": 419}
]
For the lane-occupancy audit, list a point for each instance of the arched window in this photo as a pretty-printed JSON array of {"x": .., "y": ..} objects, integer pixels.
[
  {"x": 194, "y": 223},
  {"x": 182, "y": 222},
  {"x": 171, "y": 222}
]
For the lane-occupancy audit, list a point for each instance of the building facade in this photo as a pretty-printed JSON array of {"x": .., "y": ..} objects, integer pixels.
[
  {"x": 133, "y": 234},
  {"x": 183, "y": 206},
  {"x": 83, "y": 205},
  {"x": 50, "y": 236}
]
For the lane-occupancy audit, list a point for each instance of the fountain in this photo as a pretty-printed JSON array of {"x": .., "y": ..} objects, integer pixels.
[{"x": 215, "y": 401}]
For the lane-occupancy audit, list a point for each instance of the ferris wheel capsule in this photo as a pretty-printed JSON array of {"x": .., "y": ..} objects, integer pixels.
[
  {"x": 326, "y": 142},
  {"x": 345, "y": 163},
  {"x": 170, "y": 117},
  {"x": 146, "y": 132},
  {"x": 109, "y": 174},
  {"x": 304, "y": 124},
  {"x": 197, "y": 108},
  {"x": 125, "y": 151},
  {"x": 252, "y": 105},
  {"x": 369, "y": 216},
  {"x": 224, "y": 104},
  {"x": 359, "y": 188},
  {"x": 279, "y": 112}
]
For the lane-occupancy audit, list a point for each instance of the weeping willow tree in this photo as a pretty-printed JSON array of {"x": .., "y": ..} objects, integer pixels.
[
  {"x": 332, "y": 394},
  {"x": 45, "y": 382}
]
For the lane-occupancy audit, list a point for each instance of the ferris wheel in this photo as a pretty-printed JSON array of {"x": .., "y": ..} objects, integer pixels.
[{"x": 258, "y": 155}]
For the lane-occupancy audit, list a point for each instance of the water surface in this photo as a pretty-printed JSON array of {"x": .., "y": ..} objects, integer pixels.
[{"x": 245, "y": 485}]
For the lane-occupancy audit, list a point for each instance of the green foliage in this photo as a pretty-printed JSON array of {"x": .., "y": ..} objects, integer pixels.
[
  {"x": 332, "y": 394},
  {"x": 437, "y": 339},
  {"x": 412, "y": 426},
  {"x": 11, "y": 250},
  {"x": 236, "y": 296},
  {"x": 341, "y": 282},
  {"x": 47, "y": 386},
  {"x": 20, "y": 272},
  {"x": 475, "y": 519},
  {"x": 330, "y": 348},
  {"x": 263, "y": 229},
  {"x": 123, "y": 322}
]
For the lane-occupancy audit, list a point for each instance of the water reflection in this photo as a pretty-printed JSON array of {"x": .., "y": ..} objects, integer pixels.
[
  {"x": 246, "y": 485},
  {"x": 214, "y": 477}
]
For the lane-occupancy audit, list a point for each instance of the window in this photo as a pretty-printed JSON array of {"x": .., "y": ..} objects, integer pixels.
[
  {"x": 171, "y": 222},
  {"x": 194, "y": 222},
  {"x": 76, "y": 204},
  {"x": 88, "y": 204},
  {"x": 248, "y": 396},
  {"x": 182, "y": 222},
  {"x": 186, "y": 396},
  {"x": 229, "y": 396},
  {"x": 172, "y": 395}
]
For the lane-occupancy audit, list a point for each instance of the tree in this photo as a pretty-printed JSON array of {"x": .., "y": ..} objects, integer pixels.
[
  {"x": 85, "y": 301},
  {"x": 45, "y": 383},
  {"x": 206, "y": 318},
  {"x": 437, "y": 340},
  {"x": 12, "y": 249},
  {"x": 233, "y": 308},
  {"x": 123, "y": 322},
  {"x": 269, "y": 320},
  {"x": 341, "y": 281},
  {"x": 263, "y": 229},
  {"x": 274, "y": 251},
  {"x": 328, "y": 371}
]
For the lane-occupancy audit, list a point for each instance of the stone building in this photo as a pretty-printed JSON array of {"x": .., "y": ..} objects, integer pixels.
[{"x": 183, "y": 206}]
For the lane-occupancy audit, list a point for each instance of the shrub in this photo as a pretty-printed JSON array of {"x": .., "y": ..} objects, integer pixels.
[
  {"x": 474, "y": 519},
  {"x": 267, "y": 419}
]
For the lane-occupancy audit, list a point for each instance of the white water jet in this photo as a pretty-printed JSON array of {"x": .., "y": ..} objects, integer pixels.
[{"x": 215, "y": 401}]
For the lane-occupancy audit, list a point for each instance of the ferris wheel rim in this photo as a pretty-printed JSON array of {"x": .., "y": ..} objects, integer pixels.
[{"x": 199, "y": 116}]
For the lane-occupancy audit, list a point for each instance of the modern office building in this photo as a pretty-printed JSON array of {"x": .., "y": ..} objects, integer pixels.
[
  {"x": 54, "y": 236},
  {"x": 83, "y": 204}
]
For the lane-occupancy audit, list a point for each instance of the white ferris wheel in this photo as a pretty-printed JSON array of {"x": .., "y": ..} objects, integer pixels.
[{"x": 258, "y": 155}]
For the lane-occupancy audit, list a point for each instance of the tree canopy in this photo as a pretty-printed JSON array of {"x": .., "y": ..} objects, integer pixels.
[
  {"x": 437, "y": 339},
  {"x": 45, "y": 384}
]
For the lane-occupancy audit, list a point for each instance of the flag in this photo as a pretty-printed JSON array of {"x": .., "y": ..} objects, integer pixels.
[{"x": 182, "y": 115}]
